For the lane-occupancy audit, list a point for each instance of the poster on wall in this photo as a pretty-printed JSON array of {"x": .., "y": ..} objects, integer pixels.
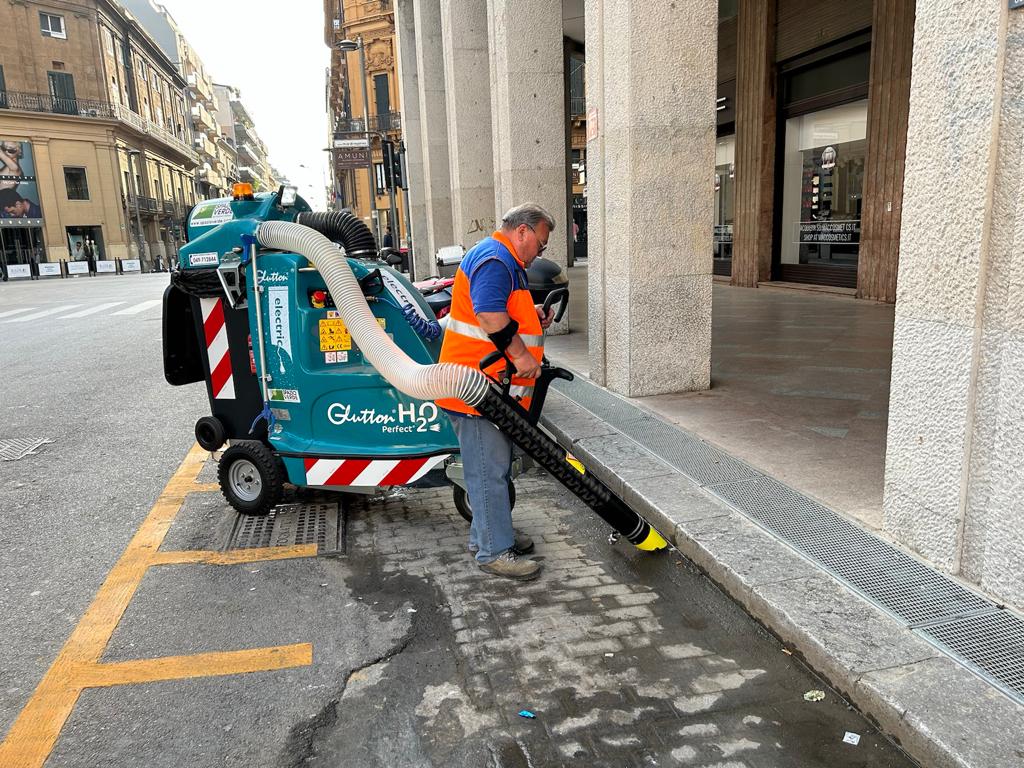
[{"x": 19, "y": 191}]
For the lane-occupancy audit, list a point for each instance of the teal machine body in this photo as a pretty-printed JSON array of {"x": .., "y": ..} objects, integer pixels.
[{"x": 329, "y": 417}]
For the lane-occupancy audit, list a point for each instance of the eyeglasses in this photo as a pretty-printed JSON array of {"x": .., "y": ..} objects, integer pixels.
[{"x": 543, "y": 246}]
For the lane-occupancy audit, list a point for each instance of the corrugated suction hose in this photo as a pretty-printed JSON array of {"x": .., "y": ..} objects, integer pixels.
[
  {"x": 343, "y": 227},
  {"x": 442, "y": 380}
]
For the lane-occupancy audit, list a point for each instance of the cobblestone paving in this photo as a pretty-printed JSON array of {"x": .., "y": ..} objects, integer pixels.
[{"x": 626, "y": 659}]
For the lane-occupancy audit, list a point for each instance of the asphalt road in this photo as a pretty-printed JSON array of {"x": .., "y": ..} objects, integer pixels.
[{"x": 416, "y": 658}]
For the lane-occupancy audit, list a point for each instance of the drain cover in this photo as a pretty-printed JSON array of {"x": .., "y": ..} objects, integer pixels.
[
  {"x": 20, "y": 447},
  {"x": 288, "y": 525}
]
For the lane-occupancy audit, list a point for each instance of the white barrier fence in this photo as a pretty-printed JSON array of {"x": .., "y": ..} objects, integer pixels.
[{"x": 73, "y": 268}]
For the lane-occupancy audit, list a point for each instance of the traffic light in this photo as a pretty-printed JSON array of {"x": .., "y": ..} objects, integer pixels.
[{"x": 392, "y": 165}]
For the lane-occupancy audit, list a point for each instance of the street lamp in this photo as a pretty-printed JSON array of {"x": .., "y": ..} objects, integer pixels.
[
  {"x": 349, "y": 46},
  {"x": 135, "y": 192}
]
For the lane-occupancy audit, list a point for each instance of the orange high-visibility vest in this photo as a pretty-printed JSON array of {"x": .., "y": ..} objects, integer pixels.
[{"x": 466, "y": 343}]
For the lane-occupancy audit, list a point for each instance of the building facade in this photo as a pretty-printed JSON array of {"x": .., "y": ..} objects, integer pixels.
[
  {"x": 98, "y": 155},
  {"x": 359, "y": 182},
  {"x": 239, "y": 131},
  {"x": 217, "y": 169}
]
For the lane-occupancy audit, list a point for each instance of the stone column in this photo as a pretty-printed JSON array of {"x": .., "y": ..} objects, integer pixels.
[
  {"x": 953, "y": 480},
  {"x": 528, "y": 104},
  {"x": 755, "y": 142},
  {"x": 408, "y": 82},
  {"x": 650, "y": 192},
  {"x": 434, "y": 126},
  {"x": 892, "y": 44},
  {"x": 468, "y": 92}
]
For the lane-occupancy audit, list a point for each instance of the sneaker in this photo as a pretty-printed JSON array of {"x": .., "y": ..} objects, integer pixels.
[
  {"x": 523, "y": 545},
  {"x": 512, "y": 566}
]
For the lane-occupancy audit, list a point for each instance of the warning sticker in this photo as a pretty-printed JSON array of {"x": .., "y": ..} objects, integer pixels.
[
  {"x": 283, "y": 395},
  {"x": 334, "y": 336},
  {"x": 335, "y": 357},
  {"x": 281, "y": 414},
  {"x": 203, "y": 259},
  {"x": 208, "y": 214}
]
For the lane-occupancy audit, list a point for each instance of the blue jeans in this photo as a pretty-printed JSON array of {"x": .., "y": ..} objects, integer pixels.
[{"x": 487, "y": 464}]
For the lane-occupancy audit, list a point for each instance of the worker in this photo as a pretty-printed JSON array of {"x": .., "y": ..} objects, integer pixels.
[{"x": 492, "y": 309}]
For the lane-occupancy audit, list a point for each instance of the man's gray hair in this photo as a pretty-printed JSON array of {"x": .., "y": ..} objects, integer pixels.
[{"x": 529, "y": 214}]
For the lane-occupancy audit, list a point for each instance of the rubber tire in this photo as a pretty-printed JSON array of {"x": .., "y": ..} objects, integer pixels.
[
  {"x": 461, "y": 499},
  {"x": 210, "y": 433},
  {"x": 271, "y": 471}
]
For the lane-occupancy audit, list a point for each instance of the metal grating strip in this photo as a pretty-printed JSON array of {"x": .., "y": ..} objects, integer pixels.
[
  {"x": 970, "y": 628},
  {"x": 895, "y": 581},
  {"x": 693, "y": 457},
  {"x": 16, "y": 448},
  {"x": 992, "y": 645}
]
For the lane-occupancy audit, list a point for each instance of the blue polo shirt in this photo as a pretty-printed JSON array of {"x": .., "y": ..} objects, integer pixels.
[{"x": 493, "y": 272}]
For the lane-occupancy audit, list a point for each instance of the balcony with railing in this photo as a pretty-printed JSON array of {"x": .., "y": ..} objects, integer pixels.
[
  {"x": 200, "y": 88},
  {"x": 577, "y": 106},
  {"x": 203, "y": 119},
  {"x": 92, "y": 109},
  {"x": 205, "y": 147},
  {"x": 44, "y": 102},
  {"x": 346, "y": 125},
  {"x": 386, "y": 121}
]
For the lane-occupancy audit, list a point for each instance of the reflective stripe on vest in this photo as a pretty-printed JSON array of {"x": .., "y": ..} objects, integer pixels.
[{"x": 466, "y": 343}]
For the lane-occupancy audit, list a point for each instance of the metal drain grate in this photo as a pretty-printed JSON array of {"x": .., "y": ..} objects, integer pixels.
[
  {"x": 287, "y": 525},
  {"x": 19, "y": 447},
  {"x": 970, "y": 628},
  {"x": 694, "y": 458},
  {"x": 992, "y": 645},
  {"x": 895, "y": 581}
]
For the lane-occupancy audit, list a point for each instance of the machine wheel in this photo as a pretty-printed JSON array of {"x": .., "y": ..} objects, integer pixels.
[
  {"x": 210, "y": 433},
  {"x": 461, "y": 499},
  {"x": 251, "y": 477}
]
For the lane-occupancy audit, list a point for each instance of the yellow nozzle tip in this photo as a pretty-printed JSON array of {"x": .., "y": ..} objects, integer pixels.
[{"x": 654, "y": 541}]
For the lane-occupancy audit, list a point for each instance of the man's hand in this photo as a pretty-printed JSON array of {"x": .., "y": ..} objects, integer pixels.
[
  {"x": 526, "y": 364},
  {"x": 545, "y": 319}
]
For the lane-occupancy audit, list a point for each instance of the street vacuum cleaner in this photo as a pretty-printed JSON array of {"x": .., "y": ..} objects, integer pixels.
[{"x": 320, "y": 362}]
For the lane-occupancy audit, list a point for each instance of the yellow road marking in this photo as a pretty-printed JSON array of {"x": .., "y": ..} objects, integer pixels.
[
  {"x": 235, "y": 556},
  {"x": 32, "y": 736},
  {"x": 197, "y": 665},
  {"x": 202, "y": 487}
]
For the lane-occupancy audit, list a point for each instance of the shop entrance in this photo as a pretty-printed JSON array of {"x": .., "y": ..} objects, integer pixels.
[
  {"x": 821, "y": 152},
  {"x": 86, "y": 244},
  {"x": 20, "y": 245}
]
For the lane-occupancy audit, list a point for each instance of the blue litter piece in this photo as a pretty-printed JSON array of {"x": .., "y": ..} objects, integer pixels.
[{"x": 527, "y": 714}]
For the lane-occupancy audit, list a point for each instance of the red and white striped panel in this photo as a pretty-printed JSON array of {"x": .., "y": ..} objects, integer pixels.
[
  {"x": 369, "y": 472},
  {"x": 217, "y": 352}
]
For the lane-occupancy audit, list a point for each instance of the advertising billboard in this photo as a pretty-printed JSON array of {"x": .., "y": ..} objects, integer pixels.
[{"x": 19, "y": 192}]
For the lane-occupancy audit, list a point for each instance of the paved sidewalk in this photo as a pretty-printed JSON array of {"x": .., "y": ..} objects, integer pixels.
[
  {"x": 943, "y": 715},
  {"x": 626, "y": 659}
]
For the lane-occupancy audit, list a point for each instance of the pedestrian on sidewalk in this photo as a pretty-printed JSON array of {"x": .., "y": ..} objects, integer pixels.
[{"x": 492, "y": 309}]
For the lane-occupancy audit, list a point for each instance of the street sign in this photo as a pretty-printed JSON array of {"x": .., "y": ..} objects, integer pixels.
[
  {"x": 362, "y": 143},
  {"x": 351, "y": 159}
]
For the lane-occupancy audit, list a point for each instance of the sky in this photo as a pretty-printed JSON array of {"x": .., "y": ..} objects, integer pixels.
[{"x": 275, "y": 54}]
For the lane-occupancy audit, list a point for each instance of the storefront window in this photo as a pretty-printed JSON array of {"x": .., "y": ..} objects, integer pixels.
[
  {"x": 823, "y": 187},
  {"x": 725, "y": 196}
]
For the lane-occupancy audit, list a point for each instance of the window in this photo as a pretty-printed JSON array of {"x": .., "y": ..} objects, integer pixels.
[
  {"x": 52, "y": 25},
  {"x": 142, "y": 71},
  {"x": 75, "y": 181},
  {"x": 108, "y": 41}
]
